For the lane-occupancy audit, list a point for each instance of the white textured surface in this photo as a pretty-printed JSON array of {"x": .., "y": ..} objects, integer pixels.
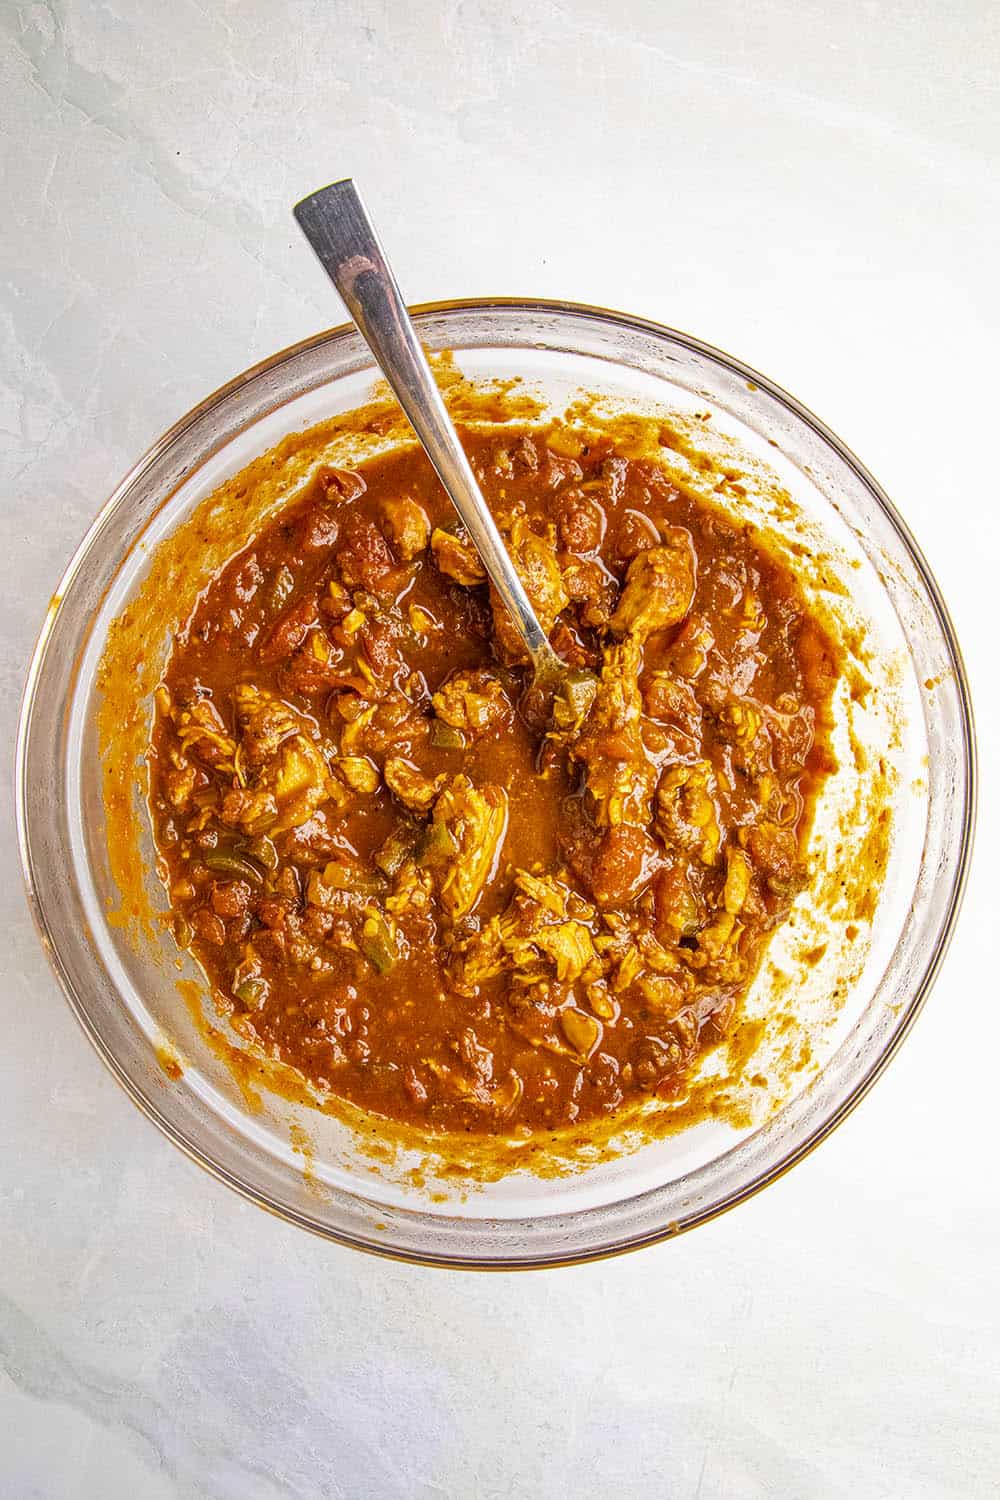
[{"x": 814, "y": 187}]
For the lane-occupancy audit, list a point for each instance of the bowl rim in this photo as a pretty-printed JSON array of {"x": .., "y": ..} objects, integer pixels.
[{"x": 825, "y": 1126}]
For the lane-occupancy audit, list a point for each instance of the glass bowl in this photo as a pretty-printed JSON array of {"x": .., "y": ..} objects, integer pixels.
[{"x": 313, "y": 1171}]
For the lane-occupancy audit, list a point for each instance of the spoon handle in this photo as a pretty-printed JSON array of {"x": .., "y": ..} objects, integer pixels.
[{"x": 336, "y": 224}]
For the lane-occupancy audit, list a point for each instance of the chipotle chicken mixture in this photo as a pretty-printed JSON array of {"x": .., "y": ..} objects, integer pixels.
[{"x": 428, "y": 890}]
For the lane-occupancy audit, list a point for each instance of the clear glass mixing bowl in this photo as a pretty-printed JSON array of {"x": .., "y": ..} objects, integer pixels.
[{"x": 125, "y": 998}]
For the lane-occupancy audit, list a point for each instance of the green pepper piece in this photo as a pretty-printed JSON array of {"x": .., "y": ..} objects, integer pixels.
[
  {"x": 436, "y": 844},
  {"x": 396, "y": 849},
  {"x": 446, "y": 737},
  {"x": 228, "y": 862},
  {"x": 262, "y": 850},
  {"x": 340, "y": 877},
  {"x": 251, "y": 993},
  {"x": 574, "y": 698},
  {"x": 378, "y": 941}
]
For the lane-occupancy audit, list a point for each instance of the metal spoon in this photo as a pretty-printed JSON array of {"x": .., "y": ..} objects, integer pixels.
[{"x": 336, "y": 224}]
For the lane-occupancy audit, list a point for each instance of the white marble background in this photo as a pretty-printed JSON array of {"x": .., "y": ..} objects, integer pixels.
[{"x": 812, "y": 185}]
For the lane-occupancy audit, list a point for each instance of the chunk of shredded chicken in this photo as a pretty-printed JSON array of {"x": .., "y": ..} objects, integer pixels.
[
  {"x": 415, "y": 790},
  {"x": 535, "y": 558},
  {"x": 544, "y": 930},
  {"x": 201, "y": 732},
  {"x": 687, "y": 815},
  {"x": 659, "y": 588},
  {"x": 283, "y": 775},
  {"x": 457, "y": 558},
  {"x": 619, "y": 775},
  {"x": 405, "y": 524},
  {"x": 474, "y": 702},
  {"x": 466, "y": 833}
]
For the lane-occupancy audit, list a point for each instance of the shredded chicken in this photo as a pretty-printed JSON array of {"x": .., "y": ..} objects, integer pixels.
[
  {"x": 474, "y": 702},
  {"x": 466, "y": 833},
  {"x": 687, "y": 816},
  {"x": 537, "y": 565},
  {"x": 358, "y": 772},
  {"x": 775, "y": 852},
  {"x": 718, "y": 955},
  {"x": 412, "y": 889},
  {"x": 265, "y": 723},
  {"x": 544, "y": 930},
  {"x": 405, "y": 523},
  {"x": 457, "y": 558},
  {"x": 415, "y": 790},
  {"x": 738, "y": 876},
  {"x": 201, "y": 732},
  {"x": 659, "y": 588},
  {"x": 740, "y": 722},
  {"x": 283, "y": 775},
  {"x": 619, "y": 775},
  {"x": 378, "y": 728}
]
